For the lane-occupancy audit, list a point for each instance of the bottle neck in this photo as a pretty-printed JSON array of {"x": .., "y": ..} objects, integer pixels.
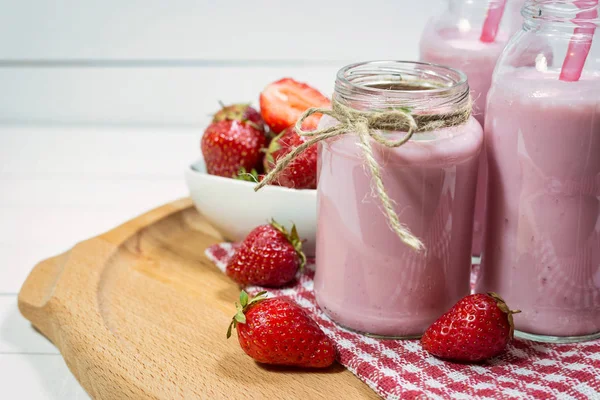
[
  {"x": 561, "y": 14},
  {"x": 421, "y": 87}
]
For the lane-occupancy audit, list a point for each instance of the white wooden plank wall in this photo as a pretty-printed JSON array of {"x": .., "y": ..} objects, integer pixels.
[
  {"x": 152, "y": 61},
  {"x": 101, "y": 109},
  {"x": 208, "y": 29}
]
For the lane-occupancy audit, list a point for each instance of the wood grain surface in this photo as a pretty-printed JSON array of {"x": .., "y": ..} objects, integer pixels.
[{"x": 140, "y": 312}]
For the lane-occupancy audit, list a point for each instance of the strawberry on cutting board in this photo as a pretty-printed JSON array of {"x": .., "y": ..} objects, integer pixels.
[
  {"x": 478, "y": 327},
  {"x": 301, "y": 173},
  {"x": 282, "y": 102},
  {"x": 278, "y": 331},
  {"x": 234, "y": 141},
  {"x": 268, "y": 256}
]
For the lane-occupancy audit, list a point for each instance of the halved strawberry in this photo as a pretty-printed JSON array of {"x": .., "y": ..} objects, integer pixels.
[{"x": 282, "y": 103}]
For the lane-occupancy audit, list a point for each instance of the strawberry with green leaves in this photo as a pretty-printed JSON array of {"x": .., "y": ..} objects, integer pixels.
[
  {"x": 478, "y": 327},
  {"x": 278, "y": 331},
  {"x": 268, "y": 256},
  {"x": 234, "y": 140}
]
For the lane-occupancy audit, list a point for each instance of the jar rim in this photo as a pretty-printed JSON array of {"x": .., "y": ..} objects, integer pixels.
[
  {"x": 432, "y": 83},
  {"x": 564, "y": 12},
  {"x": 344, "y": 72}
]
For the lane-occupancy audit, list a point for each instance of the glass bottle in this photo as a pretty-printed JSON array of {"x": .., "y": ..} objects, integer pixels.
[
  {"x": 367, "y": 279},
  {"x": 542, "y": 133},
  {"x": 455, "y": 38}
]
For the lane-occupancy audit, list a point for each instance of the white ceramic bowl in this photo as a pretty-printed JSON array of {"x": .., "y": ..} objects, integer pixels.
[{"x": 234, "y": 208}]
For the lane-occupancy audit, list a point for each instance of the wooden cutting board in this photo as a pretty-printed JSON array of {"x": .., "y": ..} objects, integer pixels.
[{"x": 140, "y": 312}]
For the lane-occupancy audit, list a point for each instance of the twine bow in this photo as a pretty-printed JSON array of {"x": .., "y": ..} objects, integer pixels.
[{"x": 367, "y": 125}]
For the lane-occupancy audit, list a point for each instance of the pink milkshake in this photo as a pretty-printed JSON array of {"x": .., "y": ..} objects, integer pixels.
[
  {"x": 467, "y": 53},
  {"x": 542, "y": 247},
  {"x": 454, "y": 40},
  {"x": 366, "y": 278}
]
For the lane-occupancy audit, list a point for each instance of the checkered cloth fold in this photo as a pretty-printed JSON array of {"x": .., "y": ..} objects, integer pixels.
[{"x": 400, "y": 369}]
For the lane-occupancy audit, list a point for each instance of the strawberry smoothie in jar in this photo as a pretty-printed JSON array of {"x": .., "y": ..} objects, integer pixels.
[
  {"x": 470, "y": 36},
  {"x": 367, "y": 279},
  {"x": 542, "y": 244}
]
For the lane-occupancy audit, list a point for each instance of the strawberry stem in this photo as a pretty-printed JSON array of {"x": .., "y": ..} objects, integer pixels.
[
  {"x": 297, "y": 243},
  {"x": 243, "y": 298},
  {"x": 242, "y": 307},
  {"x": 294, "y": 240},
  {"x": 250, "y": 123},
  {"x": 273, "y": 147},
  {"x": 504, "y": 308},
  {"x": 246, "y": 176}
]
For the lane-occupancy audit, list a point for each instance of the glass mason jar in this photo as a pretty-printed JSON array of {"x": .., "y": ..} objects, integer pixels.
[
  {"x": 367, "y": 279},
  {"x": 454, "y": 38},
  {"x": 542, "y": 245}
]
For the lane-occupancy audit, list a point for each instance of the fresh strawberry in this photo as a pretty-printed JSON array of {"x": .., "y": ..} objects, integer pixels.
[
  {"x": 241, "y": 113},
  {"x": 476, "y": 328},
  {"x": 282, "y": 103},
  {"x": 230, "y": 145},
  {"x": 301, "y": 173},
  {"x": 268, "y": 256},
  {"x": 278, "y": 331}
]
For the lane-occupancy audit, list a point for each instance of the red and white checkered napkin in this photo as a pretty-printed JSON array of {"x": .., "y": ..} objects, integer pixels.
[{"x": 400, "y": 369}]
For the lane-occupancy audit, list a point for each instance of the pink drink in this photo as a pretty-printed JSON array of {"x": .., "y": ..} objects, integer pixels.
[
  {"x": 366, "y": 278},
  {"x": 467, "y": 53},
  {"x": 542, "y": 246}
]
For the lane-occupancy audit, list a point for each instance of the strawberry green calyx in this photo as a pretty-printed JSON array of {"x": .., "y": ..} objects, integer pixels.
[
  {"x": 247, "y": 176},
  {"x": 242, "y": 307},
  {"x": 235, "y": 112},
  {"x": 293, "y": 238},
  {"x": 273, "y": 147},
  {"x": 297, "y": 243},
  {"x": 504, "y": 308}
]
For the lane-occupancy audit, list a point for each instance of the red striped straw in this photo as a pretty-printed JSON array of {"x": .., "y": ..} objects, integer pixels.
[
  {"x": 581, "y": 41},
  {"x": 492, "y": 21}
]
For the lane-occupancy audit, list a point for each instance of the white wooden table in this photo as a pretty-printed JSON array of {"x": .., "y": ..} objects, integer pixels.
[{"x": 99, "y": 121}]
